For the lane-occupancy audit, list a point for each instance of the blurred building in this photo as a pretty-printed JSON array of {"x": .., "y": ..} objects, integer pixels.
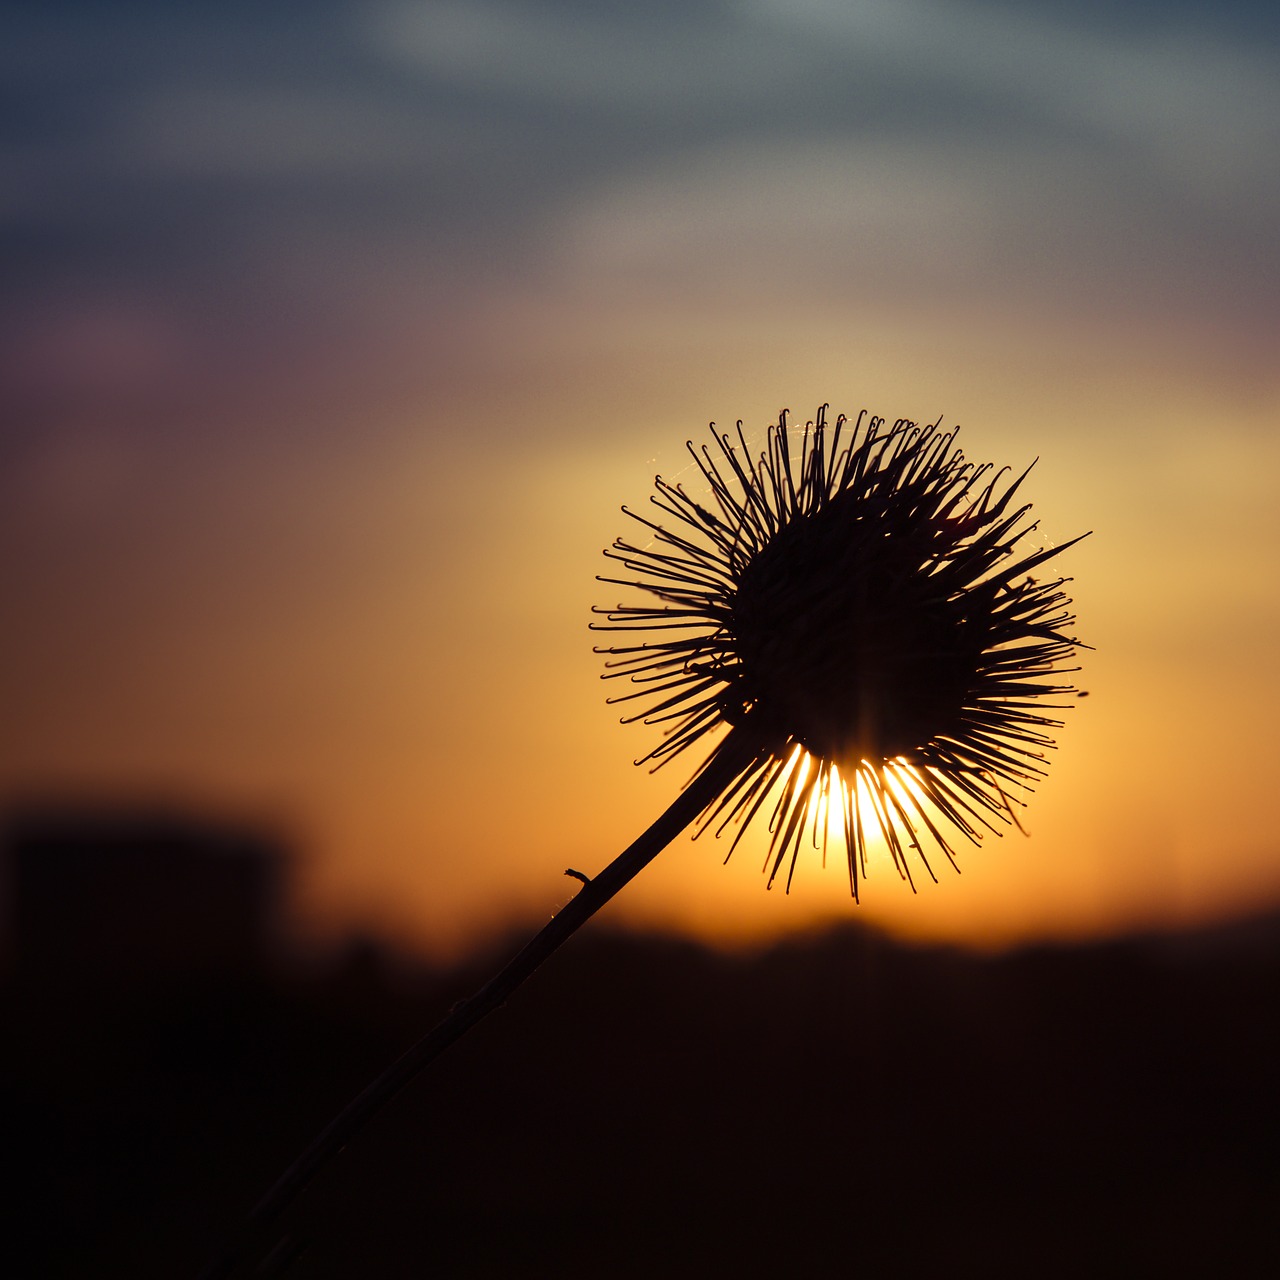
[{"x": 128, "y": 898}]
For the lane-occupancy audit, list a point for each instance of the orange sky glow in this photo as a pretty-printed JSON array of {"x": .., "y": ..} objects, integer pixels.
[{"x": 338, "y": 574}]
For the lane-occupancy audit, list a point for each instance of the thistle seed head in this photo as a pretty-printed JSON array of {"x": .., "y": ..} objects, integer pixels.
[{"x": 854, "y": 604}]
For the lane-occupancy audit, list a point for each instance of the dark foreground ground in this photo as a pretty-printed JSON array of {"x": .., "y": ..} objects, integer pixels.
[{"x": 834, "y": 1107}]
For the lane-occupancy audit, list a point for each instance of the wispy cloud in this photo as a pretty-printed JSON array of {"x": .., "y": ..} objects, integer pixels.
[
  {"x": 662, "y": 63},
  {"x": 330, "y": 185}
]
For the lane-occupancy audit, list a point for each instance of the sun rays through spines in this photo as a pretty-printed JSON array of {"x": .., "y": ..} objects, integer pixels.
[{"x": 856, "y": 600}]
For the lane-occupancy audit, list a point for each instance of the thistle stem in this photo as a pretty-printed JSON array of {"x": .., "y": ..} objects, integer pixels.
[{"x": 717, "y": 775}]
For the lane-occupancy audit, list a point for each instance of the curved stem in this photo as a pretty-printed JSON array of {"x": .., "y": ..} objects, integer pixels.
[{"x": 726, "y": 764}]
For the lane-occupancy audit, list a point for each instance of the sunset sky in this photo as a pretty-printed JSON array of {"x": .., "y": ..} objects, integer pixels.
[{"x": 336, "y": 335}]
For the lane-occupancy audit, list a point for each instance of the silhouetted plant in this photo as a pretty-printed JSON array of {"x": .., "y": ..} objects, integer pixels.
[
  {"x": 847, "y": 624},
  {"x": 854, "y": 611}
]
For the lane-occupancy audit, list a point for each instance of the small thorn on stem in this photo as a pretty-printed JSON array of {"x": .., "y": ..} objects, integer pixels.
[{"x": 577, "y": 875}]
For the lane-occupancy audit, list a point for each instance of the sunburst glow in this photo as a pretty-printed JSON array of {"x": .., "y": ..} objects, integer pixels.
[{"x": 857, "y": 613}]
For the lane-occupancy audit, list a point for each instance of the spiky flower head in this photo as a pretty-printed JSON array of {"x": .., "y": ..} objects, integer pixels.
[{"x": 853, "y": 606}]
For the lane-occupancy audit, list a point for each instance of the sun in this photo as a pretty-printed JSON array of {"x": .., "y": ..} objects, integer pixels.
[
  {"x": 871, "y": 809},
  {"x": 862, "y": 610}
]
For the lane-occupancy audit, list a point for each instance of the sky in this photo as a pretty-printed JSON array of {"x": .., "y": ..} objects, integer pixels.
[{"x": 335, "y": 336}]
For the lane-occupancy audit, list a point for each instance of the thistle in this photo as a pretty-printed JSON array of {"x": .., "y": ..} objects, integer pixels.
[
  {"x": 852, "y": 608},
  {"x": 848, "y": 625}
]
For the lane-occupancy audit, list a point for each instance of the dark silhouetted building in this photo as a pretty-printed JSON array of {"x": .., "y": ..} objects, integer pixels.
[{"x": 129, "y": 898}]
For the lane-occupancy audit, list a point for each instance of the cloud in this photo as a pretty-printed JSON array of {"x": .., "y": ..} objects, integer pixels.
[
  {"x": 283, "y": 134},
  {"x": 817, "y": 216},
  {"x": 621, "y": 58},
  {"x": 1204, "y": 107},
  {"x": 301, "y": 187}
]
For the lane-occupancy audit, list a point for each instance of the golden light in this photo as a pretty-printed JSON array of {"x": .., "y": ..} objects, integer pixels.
[{"x": 873, "y": 817}]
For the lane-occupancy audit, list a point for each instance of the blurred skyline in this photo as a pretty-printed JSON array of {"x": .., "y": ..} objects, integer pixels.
[{"x": 336, "y": 335}]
